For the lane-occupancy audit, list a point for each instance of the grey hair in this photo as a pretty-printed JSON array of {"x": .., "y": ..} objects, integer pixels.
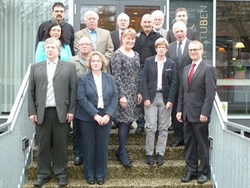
[
  {"x": 91, "y": 12},
  {"x": 57, "y": 42},
  {"x": 179, "y": 24}
]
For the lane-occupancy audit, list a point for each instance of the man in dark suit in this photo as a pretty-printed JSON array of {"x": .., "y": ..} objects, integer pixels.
[
  {"x": 123, "y": 22},
  {"x": 181, "y": 14},
  {"x": 58, "y": 15},
  {"x": 196, "y": 96},
  {"x": 51, "y": 107},
  {"x": 181, "y": 60}
]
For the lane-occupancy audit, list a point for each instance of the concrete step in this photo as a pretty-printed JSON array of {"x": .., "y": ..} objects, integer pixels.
[
  {"x": 135, "y": 152},
  {"x": 170, "y": 169},
  {"x": 129, "y": 183}
]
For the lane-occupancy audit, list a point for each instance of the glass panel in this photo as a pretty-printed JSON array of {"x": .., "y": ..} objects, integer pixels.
[
  {"x": 233, "y": 53},
  {"x": 107, "y": 16},
  {"x": 136, "y": 13}
]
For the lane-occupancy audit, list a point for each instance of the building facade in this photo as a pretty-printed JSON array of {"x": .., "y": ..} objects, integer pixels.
[{"x": 223, "y": 28}]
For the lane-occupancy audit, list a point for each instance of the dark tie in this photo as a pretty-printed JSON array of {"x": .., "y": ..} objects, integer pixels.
[
  {"x": 179, "y": 51},
  {"x": 121, "y": 39},
  {"x": 191, "y": 73}
]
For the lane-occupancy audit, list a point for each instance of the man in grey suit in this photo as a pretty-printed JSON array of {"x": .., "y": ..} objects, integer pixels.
[
  {"x": 196, "y": 96},
  {"x": 101, "y": 38},
  {"x": 51, "y": 107},
  {"x": 181, "y": 60},
  {"x": 181, "y": 14}
]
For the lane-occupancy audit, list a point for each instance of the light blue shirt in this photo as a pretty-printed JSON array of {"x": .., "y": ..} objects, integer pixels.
[
  {"x": 65, "y": 54},
  {"x": 93, "y": 38}
]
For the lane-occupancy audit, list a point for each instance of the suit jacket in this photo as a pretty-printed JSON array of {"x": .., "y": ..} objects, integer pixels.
[
  {"x": 115, "y": 39},
  {"x": 191, "y": 35},
  {"x": 87, "y": 97},
  {"x": 198, "y": 97},
  {"x": 64, "y": 83},
  {"x": 104, "y": 42},
  {"x": 150, "y": 80},
  {"x": 186, "y": 60}
]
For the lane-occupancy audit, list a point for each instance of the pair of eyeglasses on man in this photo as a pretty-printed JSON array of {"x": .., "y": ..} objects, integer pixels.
[{"x": 195, "y": 49}]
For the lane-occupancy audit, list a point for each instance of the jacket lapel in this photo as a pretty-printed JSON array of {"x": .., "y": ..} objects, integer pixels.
[
  {"x": 59, "y": 67},
  {"x": 92, "y": 81},
  {"x": 44, "y": 69}
]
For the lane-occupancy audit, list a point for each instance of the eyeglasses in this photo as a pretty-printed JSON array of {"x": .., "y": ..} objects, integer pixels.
[{"x": 195, "y": 49}]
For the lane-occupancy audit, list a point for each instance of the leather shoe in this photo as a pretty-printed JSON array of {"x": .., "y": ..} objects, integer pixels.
[
  {"x": 139, "y": 130},
  {"x": 118, "y": 157},
  {"x": 63, "y": 181},
  {"x": 91, "y": 181},
  {"x": 77, "y": 161},
  {"x": 149, "y": 159},
  {"x": 40, "y": 181},
  {"x": 160, "y": 160},
  {"x": 100, "y": 181},
  {"x": 202, "y": 179},
  {"x": 177, "y": 143},
  {"x": 188, "y": 177}
]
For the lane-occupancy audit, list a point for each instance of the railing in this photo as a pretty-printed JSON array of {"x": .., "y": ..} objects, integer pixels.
[
  {"x": 229, "y": 151},
  {"x": 16, "y": 142}
]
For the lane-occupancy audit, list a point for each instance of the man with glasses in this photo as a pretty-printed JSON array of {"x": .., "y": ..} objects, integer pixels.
[
  {"x": 195, "y": 102},
  {"x": 85, "y": 48},
  {"x": 178, "y": 51},
  {"x": 58, "y": 16}
]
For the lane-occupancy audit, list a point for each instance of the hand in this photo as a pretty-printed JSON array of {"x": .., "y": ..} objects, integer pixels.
[
  {"x": 123, "y": 102},
  {"x": 203, "y": 119},
  {"x": 169, "y": 105},
  {"x": 139, "y": 99},
  {"x": 179, "y": 117},
  {"x": 105, "y": 119},
  {"x": 98, "y": 118},
  {"x": 33, "y": 119},
  {"x": 69, "y": 117},
  {"x": 147, "y": 103}
]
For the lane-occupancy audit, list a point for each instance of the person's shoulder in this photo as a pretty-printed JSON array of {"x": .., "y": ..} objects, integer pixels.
[
  {"x": 74, "y": 58},
  {"x": 103, "y": 30}
]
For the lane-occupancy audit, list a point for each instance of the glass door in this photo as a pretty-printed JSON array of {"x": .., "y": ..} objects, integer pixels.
[{"x": 110, "y": 9}]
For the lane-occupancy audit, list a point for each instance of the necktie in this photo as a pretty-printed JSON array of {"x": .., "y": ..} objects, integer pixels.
[
  {"x": 121, "y": 38},
  {"x": 179, "y": 53},
  {"x": 191, "y": 73}
]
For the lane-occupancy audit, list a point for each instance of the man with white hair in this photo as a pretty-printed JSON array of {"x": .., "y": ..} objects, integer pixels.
[
  {"x": 101, "y": 38},
  {"x": 181, "y": 14},
  {"x": 123, "y": 22},
  {"x": 158, "y": 20},
  {"x": 178, "y": 51}
]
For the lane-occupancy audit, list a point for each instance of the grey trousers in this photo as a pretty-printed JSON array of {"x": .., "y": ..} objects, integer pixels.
[{"x": 157, "y": 117}]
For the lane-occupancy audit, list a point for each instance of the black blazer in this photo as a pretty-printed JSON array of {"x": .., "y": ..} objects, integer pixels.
[
  {"x": 115, "y": 39},
  {"x": 198, "y": 97},
  {"x": 87, "y": 97},
  {"x": 191, "y": 35},
  {"x": 150, "y": 80},
  {"x": 186, "y": 60}
]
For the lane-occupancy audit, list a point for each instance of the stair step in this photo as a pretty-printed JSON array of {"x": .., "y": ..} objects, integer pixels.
[
  {"x": 129, "y": 183},
  {"x": 135, "y": 152},
  {"x": 170, "y": 169}
]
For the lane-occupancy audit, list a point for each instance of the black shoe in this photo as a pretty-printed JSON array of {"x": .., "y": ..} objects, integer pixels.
[
  {"x": 139, "y": 130},
  {"x": 40, "y": 181},
  {"x": 149, "y": 159},
  {"x": 118, "y": 158},
  {"x": 171, "y": 128},
  {"x": 63, "y": 181},
  {"x": 127, "y": 165},
  {"x": 177, "y": 143},
  {"x": 202, "y": 179},
  {"x": 188, "y": 177},
  {"x": 100, "y": 181},
  {"x": 77, "y": 161},
  {"x": 91, "y": 181},
  {"x": 160, "y": 160}
]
